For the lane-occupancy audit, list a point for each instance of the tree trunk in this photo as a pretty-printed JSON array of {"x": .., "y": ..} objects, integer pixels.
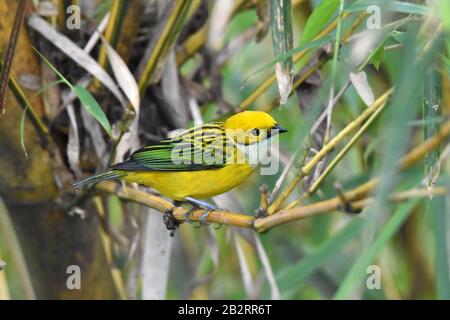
[{"x": 51, "y": 239}]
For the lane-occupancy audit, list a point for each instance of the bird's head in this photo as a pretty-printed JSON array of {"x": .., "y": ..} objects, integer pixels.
[{"x": 250, "y": 127}]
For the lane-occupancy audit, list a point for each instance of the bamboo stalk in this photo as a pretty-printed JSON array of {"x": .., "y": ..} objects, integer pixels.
[
  {"x": 361, "y": 192},
  {"x": 313, "y": 68},
  {"x": 112, "y": 30},
  {"x": 196, "y": 41},
  {"x": 25, "y": 103},
  {"x": 162, "y": 205},
  {"x": 308, "y": 167},
  {"x": 356, "y": 197},
  {"x": 262, "y": 87},
  {"x": 6, "y": 68},
  {"x": 344, "y": 151},
  {"x": 165, "y": 41}
]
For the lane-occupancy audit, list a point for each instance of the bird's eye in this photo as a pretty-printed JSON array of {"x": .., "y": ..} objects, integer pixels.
[{"x": 256, "y": 132}]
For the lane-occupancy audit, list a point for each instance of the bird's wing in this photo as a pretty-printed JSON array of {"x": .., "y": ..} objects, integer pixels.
[{"x": 198, "y": 148}]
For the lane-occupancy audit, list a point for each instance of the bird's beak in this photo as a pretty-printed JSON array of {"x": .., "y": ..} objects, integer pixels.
[
  {"x": 280, "y": 129},
  {"x": 275, "y": 130}
]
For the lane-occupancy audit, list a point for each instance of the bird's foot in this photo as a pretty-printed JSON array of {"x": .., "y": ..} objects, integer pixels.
[
  {"x": 200, "y": 204},
  {"x": 171, "y": 223},
  {"x": 187, "y": 214}
]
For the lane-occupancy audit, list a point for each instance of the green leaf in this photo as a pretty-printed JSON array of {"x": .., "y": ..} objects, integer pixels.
[
  {"x": 410, "y": 8},
  {"x": 93, "y": 107},
  {"x": 167, "y": 38},
  {"x": 290, "y": 53},
  {"x": 319, "y": 19},
  {"x": 54, "y": 68},
  {"x": 281, "y": 25},
  {"x": 395, "y": 6},
  {"x": 358, "y": 270},
  {"x": 47, "y": 87},
  {"x": 292, "y": 277},
  {"x": 426, "y": 122},
  {"x": 432, "y": 110},
  {"x": 437, "y": 210},
  {"x": 377, "y": 58},
  {"x": 400, "y": 37},
  {"x": 21, "y": 131},
  {"x": 85, "y": 97},
  {"x": 403, "y": 108},
  {"x": 446, "y": 61},
  {"x": 444, "y": 12}
]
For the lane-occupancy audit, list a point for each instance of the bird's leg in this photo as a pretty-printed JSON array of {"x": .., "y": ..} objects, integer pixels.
[
  {"x": 188, "y": 213},
  {"x": 205, "y": 205},
  {"x": 203, "y": 217}
]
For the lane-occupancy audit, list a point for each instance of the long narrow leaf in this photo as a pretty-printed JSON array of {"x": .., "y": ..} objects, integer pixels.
[
  {"x": 318, "y": 19},
  {"x": 438, "y": 209},
  {"x": 282, "y": 41},
  {"x": 67, "y": 82},
  {"x": 357, "y": 272},
  {"x": 151, "y": 68},
  {"x": 290, "y": 53},
  {"x": 294, "y": 276},
  {"x": 93, "y": 107},
  {"x": 396, "y": 6},
  {"x": 75, "y": 53},
  {"x": 20, "y": 12},
  {"x": 123, "y": 76},
  {"x": 432, "y": 110},
  {"x": 21, "y": 131},
  {"x": 85, "y": 97}
]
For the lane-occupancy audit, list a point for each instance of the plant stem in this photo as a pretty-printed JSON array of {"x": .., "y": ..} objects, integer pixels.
[
  {"x": 308, "y": 167},
  {"x": 20, "y": 12}
]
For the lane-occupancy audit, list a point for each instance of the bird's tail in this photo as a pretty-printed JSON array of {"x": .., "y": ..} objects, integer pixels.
[{"x": 100, "y": 177}]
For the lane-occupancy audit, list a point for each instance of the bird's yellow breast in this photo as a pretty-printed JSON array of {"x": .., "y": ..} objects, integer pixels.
[{"x": 199, "y": 184}]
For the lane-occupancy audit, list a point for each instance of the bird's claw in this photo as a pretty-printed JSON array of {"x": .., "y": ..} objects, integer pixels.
[
  {"x": 200, "y": 204},
  {"x": 203, "y": 218},
  {"x": 187, "y": 215}
]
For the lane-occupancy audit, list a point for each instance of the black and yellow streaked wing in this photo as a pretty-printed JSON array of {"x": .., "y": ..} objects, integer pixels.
[{"x": 198, "y": 148}]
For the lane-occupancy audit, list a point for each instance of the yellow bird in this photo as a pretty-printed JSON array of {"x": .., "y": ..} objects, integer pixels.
[{"x": 199, "y": 162}]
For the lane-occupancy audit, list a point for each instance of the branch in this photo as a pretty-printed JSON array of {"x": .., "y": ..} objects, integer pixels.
[
  {"x": 20, "y": 12},
  {"x": 220, "y": 217},
  {"x": 357, "y": 197},
  {"x": 262, "y": 87},
  {"x": 308, "y": 167},
  {"x": 357, "y": 194},
  {"x": 262, "y": 225}
]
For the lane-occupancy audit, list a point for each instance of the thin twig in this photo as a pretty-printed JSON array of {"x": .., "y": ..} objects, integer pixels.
[
  {"x": 333, "y": 73},
  {"x": 325, "y": 112},
  {"x": 307, "y": 168},
  {"x": 20, "y": 11},
  {"x": 344, "y": 151},
  {"x": 162, "y": 205},
  {"x": 262, "y": 87},
  {"x": 361, "y": 192},
  {"x": 357, "y": 197}
]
